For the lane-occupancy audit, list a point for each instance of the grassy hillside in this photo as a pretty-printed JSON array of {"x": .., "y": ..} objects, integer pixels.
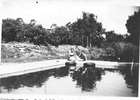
[{"x": 25, "y": 52}]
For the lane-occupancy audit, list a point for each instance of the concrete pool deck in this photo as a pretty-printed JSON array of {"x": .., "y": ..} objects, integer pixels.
[{"x": 14, "y": 69}]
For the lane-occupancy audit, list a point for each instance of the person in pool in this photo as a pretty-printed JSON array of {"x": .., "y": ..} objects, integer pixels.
[
  {"x": 81, "y": 55},
  {"x": 71, "y": 56}
]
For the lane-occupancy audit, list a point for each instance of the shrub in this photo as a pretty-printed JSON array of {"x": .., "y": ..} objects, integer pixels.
[
  {"x": 95, "y": 53},
  {"x": 129, "y": 52},
  {"x": 8, "y": 52},
  {"x": 121, "y": 51}
]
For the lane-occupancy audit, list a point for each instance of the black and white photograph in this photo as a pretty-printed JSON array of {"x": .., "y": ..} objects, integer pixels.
[{"x": 82, "y": 48}]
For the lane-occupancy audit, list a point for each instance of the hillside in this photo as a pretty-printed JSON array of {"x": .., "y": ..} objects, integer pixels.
[{"x": 24, "y": 52}]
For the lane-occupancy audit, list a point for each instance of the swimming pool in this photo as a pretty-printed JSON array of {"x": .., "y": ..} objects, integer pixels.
[{"x": 70, "y": 81}]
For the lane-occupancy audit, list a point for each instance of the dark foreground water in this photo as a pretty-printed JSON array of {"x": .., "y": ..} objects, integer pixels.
[{"x": 69, "y": 81}]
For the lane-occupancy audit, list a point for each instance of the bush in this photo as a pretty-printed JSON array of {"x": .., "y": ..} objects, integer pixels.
[
  {"x": 8, "y": 52},
  {"x": 127, "y": 53},
  {"x": 95, "y": 53},
  {"x": 121, "y": 52},
  {"x": 136, "y": 57}
]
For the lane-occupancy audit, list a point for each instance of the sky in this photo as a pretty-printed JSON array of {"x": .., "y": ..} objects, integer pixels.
[{"x": 112, "y": 13}]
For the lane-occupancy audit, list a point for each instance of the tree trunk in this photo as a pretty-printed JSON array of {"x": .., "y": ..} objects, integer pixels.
[
  {"x": 83, "y": 40},
  {"x": 87, "y": 41},
  {"x": 90, "y": 41}
]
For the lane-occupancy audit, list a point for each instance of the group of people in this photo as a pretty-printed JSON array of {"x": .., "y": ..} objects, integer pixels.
[{"x": 76, "y": 55}]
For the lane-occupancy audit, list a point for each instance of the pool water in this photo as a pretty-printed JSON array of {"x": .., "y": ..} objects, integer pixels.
[{"x": 71, "y": 81}]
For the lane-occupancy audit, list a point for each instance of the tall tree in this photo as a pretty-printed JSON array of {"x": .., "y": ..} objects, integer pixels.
[
  {"x": 133, "y": 27},
  {"x": 17, "y": 30},
  {"x": 88, "y": 28},
  {"x": 10, "y": 30},
  {"x": 21, "y": 32}
]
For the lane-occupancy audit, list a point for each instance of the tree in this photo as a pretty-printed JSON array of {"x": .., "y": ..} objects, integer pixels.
[
  {"x": 10, "y": 30},
  {"x": 111, "y": 36},
  {"x": 60, "y": 35},
  {"x": 133, "y": 27},
  {"x": 21, "y": 32},
  {"x": 17, "y": 30},
  {"x": 53, "y": 26},
  {"x": 20, "y": 20},
  {"x": 88, "y": 28},
  {"x": 35, "y": 34},
  {"x": 32, "y": 22}
]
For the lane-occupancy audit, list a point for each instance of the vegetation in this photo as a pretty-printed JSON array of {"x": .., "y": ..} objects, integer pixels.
[
  {"x": 133, "y": 28},
  {"x": 120, "y": 51},
  {"x": 85, "y": 32},
  {"x": 27, "y": 52}
]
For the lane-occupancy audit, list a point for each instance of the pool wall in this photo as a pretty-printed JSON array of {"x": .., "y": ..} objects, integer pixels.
[{"x": 12, "y": 69}]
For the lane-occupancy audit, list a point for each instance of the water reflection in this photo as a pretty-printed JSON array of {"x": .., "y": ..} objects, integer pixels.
[
  {"x": 131, "y": 77},
  {"x": 61, "y": 72},
  {"x": 86, "y": 79},
  {"x": 31, "y": 80}
]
